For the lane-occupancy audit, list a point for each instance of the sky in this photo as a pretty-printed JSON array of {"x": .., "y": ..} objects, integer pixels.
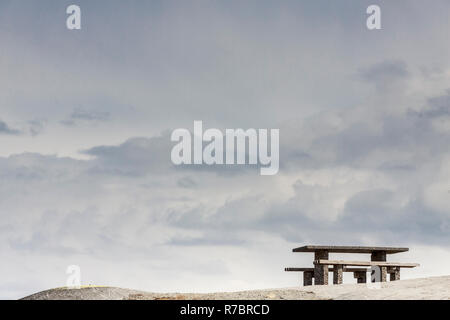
[{"x": 85, "y": 171}]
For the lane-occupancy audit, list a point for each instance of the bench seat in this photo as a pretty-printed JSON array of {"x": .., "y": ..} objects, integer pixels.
[
  {"x": 366, "y": 263},
  {"x": 330, "y": 269}
]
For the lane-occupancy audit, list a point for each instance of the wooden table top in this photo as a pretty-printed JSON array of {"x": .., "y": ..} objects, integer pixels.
[{"x": 350, "y": 249}]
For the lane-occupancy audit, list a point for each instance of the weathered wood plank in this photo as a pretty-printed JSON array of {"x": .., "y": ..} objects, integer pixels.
[
  {"x": 366, "y": 263},
  {"x": 350, "y": 249},
  {"x": 330, "y": 269}
]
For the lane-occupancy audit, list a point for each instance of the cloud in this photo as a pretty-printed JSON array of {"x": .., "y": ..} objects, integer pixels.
[
  {"x": 386, "y": 74},
  {"x": 36, "y": 127},
  {"x": 187, "y": 182},
  {"x": 395, "y": 218},
  {"x": 5, "y": 129},
  {"x": 390, "y": 69},
  {"x": 136, "y": 156},
  {"x": 90, "y": 116},
  {"x": 81, "y": 116},
  {"x": 437, "y": 107}
]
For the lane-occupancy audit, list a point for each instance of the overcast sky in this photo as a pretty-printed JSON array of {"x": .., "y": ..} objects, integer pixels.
[{"x": 86, "y": 116}]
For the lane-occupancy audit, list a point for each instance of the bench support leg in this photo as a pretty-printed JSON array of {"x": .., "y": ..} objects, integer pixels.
[
  {"x": 337, "y": 274},
  {"x": 320, "y": 271},
  {"x": 395, "y": 274},
  {"x": 307, "y": 278},
  {"x": 383, "y": 274},
  {"x": 361, "y": 276},
  {"x": 378, "y": 274},
  {"x": 380, "y": 256}
]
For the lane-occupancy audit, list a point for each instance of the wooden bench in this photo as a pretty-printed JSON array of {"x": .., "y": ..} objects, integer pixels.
[
  {"x": 393, "y": 268},
  {"x": 308, "y": 273}
]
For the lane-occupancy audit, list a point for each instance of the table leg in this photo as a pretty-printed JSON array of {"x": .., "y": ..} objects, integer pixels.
[
  {"x": 320, "y": 271},
  {"x": 380, "y": 256}
]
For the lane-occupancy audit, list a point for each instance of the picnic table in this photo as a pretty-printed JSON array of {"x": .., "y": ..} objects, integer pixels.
[{"x": 377, "y": 263}]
